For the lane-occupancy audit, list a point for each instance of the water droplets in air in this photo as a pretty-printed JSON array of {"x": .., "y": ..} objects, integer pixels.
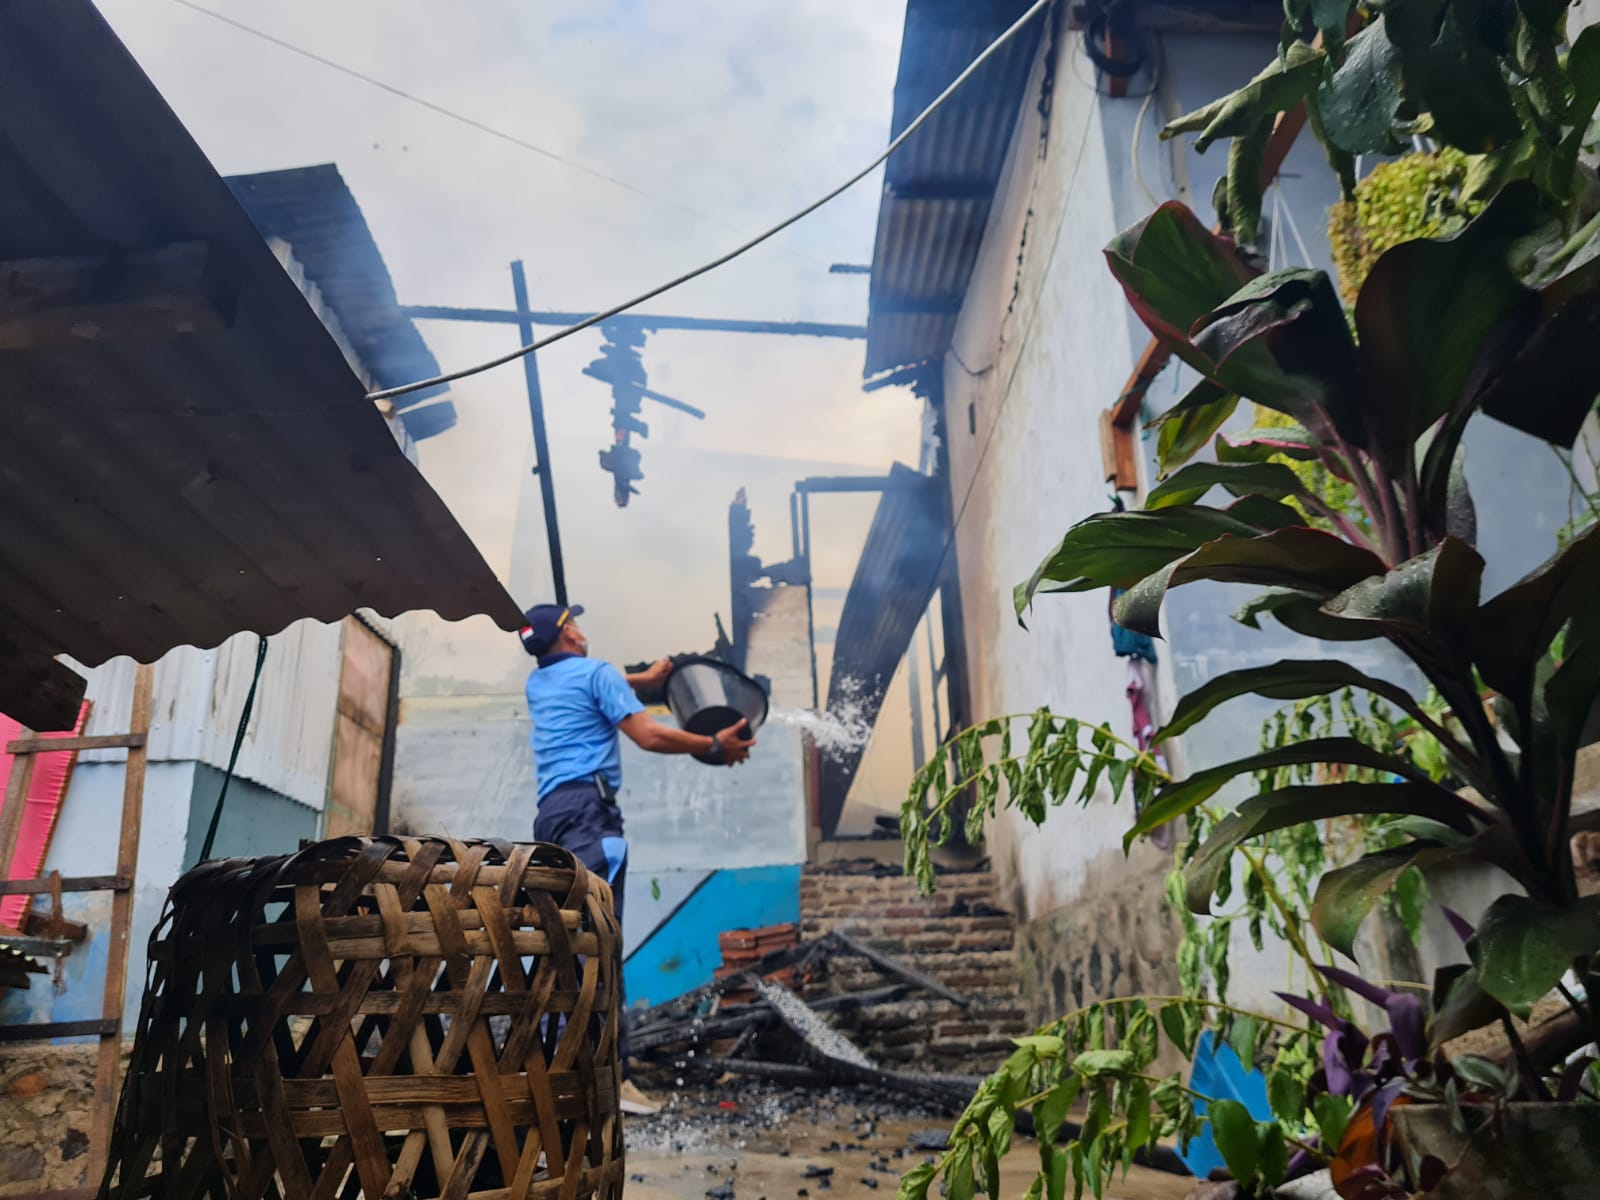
[{"x": 838, "y": 731}]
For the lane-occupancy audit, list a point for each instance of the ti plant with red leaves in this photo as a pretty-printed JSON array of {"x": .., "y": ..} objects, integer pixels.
[{"x": 1444, "y": 331}]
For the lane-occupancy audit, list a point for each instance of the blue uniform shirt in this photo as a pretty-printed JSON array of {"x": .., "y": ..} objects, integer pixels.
[{"x": 576, "y": 705}]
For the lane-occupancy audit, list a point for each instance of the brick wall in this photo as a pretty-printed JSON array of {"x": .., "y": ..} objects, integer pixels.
[{"x": 958, "y": 936}]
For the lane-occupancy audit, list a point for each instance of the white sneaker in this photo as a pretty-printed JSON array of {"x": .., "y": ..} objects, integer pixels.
[{"x": 635, "y": 1103}]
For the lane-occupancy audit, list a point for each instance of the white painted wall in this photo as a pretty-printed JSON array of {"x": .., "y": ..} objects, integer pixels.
[{"x": 464, "y": 767}]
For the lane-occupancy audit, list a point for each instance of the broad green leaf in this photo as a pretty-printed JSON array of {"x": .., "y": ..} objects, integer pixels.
[
  {"x": 1241, "y": 479},
  {"x": 1302, "y": 614},
  {"x": 1056, "y": 1183},
  {"x": 1288, "y": 679},
  {"x": 1119, "y": 549},
  {"x": 958, "y": 1172},
  {"x": 1240, "y": 193},
  {"x": 1185, "y": 428},
  {"x": 1104, "y": 1062},
  {"x": 1569, "y": 695},
  {"x": 1298, "y": 805},
  {"x": 1460, "y": 1004},
  {"x": 1051, "y": 1112},
  {"x": 1273, "y": 1163},
  {"x": 1463, "y": 89},
  {"x": 1242, "y": 1039},
  {"x": 1283, "y": 341},
  {"x": 989, "y": 1170},
  {"x": 1427, "y": 309},
  {"x": 1138, "y": 1132},
  {"x": 1347, "y": 894},
  {"x": 1234, "y": 1130},
  {"x": 1332, "y": 19},
  {"x": 1044, "y": 1045},
  {"x": 1287, "y": 1095},
  {"x": 1182, "y": 1029},
  {"x": 1299, "y": 558},
  {"x": 1261, "y": 445},
  {"x": 1181, "y": 797},
  {"x": 1264, "y": 514},
  {"x": 1332, "y": 1114},
  {"x": 1434, "y": 595},
  {"x": 1460, "y": 514},
  {"x": 1277, "y": 89},
  {"x": 1515, "y": 628},
  {"x": 1522, "y": 947},
  {"x": 1360, "y": 101},
  {"x": 914, "y": 1183},
  {"x": 1175, "y": 271},
  {"x": 1545, "y": 381}
]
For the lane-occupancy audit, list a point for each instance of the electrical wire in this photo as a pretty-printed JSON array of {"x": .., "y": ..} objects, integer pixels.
[
  {"x": 472, "y": 122},
  {"x": 921, "y": 118},
  {"x": 233, "y": 758}
]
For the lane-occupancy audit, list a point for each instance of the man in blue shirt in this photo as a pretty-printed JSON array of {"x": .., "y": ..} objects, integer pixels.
[{"x": 579, "y": 706}]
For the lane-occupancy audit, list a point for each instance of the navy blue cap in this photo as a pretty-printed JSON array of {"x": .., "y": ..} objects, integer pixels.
[{"x": 544, "y": 624}]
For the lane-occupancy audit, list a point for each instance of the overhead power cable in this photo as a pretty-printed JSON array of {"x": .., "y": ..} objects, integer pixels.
[
  {"x": 441, "y": 110},
  {"x": 989, "y": 52}
]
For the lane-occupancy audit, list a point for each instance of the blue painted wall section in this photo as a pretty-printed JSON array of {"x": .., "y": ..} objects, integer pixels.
[{"x": 681, "y": 953}]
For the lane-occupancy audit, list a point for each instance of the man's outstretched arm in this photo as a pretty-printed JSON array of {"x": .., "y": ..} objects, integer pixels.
[{"x": 652, "y": 735}]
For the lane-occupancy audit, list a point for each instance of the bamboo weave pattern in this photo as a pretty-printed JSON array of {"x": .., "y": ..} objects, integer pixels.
[{"x": 378, "y": 1017}]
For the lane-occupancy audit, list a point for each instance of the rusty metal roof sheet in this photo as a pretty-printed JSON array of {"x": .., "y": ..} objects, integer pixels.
[
  {"x": 939, "y": 187},
  {"x": 313, "y": 210},
  {"x": 158, "y": 490}
]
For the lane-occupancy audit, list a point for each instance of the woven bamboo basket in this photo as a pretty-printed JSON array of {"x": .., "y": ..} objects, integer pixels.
[{"x": 378, "y": 1017}]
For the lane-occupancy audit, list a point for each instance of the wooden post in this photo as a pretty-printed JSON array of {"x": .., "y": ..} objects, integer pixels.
[
  {"x": 15, "y": 804},
  {"x": 116, "y": 986}
]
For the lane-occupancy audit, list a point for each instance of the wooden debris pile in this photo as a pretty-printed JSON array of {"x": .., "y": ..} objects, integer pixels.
[{"x": 748, "y": 1022}]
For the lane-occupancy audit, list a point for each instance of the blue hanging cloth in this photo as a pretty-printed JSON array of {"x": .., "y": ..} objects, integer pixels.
[{"x": 1125, "y": 642}]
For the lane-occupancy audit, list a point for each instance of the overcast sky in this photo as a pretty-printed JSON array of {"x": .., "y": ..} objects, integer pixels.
[{"x": 733, "y": 113}]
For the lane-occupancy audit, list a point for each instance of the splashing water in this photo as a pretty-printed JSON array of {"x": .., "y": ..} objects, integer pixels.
[{"x": 837, "y": 731}]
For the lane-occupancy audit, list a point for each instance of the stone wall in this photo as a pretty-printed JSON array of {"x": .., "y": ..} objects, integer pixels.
[
  {"x": 46, "y": 1098},
  {"x": 957, "y": 936}
]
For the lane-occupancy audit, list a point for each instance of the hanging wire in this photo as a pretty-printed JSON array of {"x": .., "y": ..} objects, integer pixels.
[
  {"x": 993, "y": 48},
  {"x": 233, "y": 758}
]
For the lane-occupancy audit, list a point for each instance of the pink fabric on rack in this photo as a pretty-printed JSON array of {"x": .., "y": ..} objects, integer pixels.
[{"x": 47, "y": 788}]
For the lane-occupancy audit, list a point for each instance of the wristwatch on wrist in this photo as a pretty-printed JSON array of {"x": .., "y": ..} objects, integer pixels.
[{"x": 716, "y": 754}]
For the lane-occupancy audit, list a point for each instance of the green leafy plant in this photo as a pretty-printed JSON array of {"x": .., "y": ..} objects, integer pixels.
[
  {"x": 1102, "y": 1058},
  {"x": 1488, "y": 79},
  {"x": 1386, "y": 413},
  {"x": 1054, "y": 760}
]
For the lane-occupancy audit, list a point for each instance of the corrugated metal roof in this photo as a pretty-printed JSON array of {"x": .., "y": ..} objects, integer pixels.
[
  {"x": 174, "y": 490},
  {"x": 199, "y": 694},
  {"x": 894, "y": 581},
  {"x": 313, "y": 210},
  {"x": 939, "y": 187}
]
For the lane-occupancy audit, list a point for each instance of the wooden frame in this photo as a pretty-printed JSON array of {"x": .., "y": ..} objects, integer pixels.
[{"x": 120, "y": 884}]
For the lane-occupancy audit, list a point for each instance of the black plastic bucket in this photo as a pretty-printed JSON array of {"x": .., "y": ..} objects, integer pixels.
[{"x": 707, "y": 696}]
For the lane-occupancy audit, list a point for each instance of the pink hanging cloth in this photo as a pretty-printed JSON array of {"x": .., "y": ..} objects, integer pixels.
[{"x": 52, "y": 771}]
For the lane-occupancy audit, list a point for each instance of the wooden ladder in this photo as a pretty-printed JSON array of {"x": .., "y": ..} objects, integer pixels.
[{"x": 108, "y": 1028}]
